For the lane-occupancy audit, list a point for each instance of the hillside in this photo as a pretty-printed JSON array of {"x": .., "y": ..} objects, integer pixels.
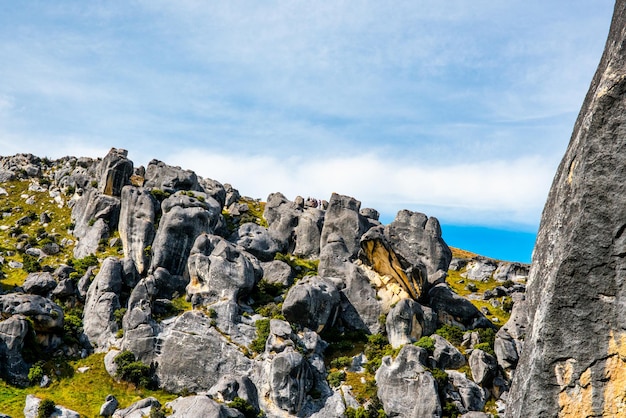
[{"x": 180, "y": 297}]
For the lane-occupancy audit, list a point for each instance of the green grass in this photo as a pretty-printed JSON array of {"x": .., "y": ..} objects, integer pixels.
[
  {"x": 454, "y": 281},
  {"x": 83, "y": 392}
]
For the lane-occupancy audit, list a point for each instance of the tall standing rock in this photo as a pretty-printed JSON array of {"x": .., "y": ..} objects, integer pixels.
[
  {"x": 343, "y": 218},
  {"x": 573, "y": 361},
  {"x": 114, "y": 172},
  {"x": 136, "y": 225}
]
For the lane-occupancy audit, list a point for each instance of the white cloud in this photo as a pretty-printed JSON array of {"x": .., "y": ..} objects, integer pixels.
[{"x": 490, "y": 192}]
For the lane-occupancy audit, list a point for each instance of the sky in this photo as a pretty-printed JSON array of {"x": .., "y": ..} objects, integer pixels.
[{"x": 460, "y": 110}]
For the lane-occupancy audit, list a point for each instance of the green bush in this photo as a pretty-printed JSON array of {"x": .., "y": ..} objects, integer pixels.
[
  {"x": 262, "y": 332},
  {"x": 159, "y": 194},
  {"x": 46, "y": 408},
  {"x": 486, "y": 348},
  {"x": 426, "y": 343},
  {"x": 341, "y": 362},
  {"x": 82, "y": 264},
  {"x": 243, "y": 406},
  {"x": 361, "y": 412},
  {"x": 31, "y": 264},
  {"x": 118, "y": 314},
  {"x": 130, "y": 370},
  {"x": 451, "y": 333},
  {"x": 72, "y": 328},
  {"x": 35, "y": 374},
  {"x": 335, "y": 378},
  {"x": 507, "y": 304}
]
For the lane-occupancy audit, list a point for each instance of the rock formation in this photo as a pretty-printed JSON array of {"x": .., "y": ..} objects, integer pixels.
[{"x": 572, "y": 363}]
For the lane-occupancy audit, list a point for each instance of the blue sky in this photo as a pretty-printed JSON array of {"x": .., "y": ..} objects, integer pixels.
[{"x": 461, "y": 110}]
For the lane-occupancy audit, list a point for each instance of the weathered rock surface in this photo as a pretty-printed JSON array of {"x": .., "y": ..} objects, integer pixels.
[
  {"x": 95, "y": 215},
  {"x": 218, "y": 270},
  {"x": 185, "y": 362},
  {"x": 200, "y": 406},
  {"x": 257, "y": 240},
  {"x": 573, "y": 362},
  {"x": 312, "y": 303},
  {"x": 277, "y": 272},
  {"x": 102, "y": 301},
  {"x": 136, "y": 225},
  {"x": 230, "y": 387},
  {"x": 184, "y": 218},
  {"x": 405, "y": 387},
  {"x": 472, "y": 397},
  {"x": 290, "y": 380},
  {"x": 483, "y": 366},
  {"x": 114, "y": 172},
  {"x": 343, "y": 218},
  {"x": 139, "y": 409},
  {"x": 480, "y": 269},
  {"x": 32, "y": 406},
  {"x": 168, "y": 178},
  {"x": 417, "y": 240},
  {"x": 39, "y": 283},
  {"x": 282, "y": 218},
  {"x": 446, "y": 355},
  {"x": 453, "y": 309},
  {"x": 46, "y": 316},
  {"x": 308, "y": 233},
  {"x": 405, "y": 323},
  {"x": 13, "y": 332},
  {"x": 109, "y": 406}
]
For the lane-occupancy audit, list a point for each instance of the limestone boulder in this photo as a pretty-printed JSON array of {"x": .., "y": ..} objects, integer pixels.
[
  {"x": 405, "y": 323},
  {"x": 343, "y": 218},
  {"x": 218, "y": 270},
  {"x": 282, "y": 217},
  {"x": 46, "y": 316},
  {"x": 455, "y": 310},
  {"x": 472, "y": 396},
  {"x": 417, "y": 239},
  {"x": 230, "y": 387},
  {"x": 200, "y": 406},
  {"x": 484, "y": 367},
  {"x": 139, "y": 409},
  {"x": 41, "y": 283},
  {"x": 193, "y": 355},
  {"x": 140, "y": 329},
  {"x": 480, "y": 269},
  {"x": 446, "y": 355},
  {"x": 215, "y": 189},
  {"x": 184, "y": 219},
  {"x": 13, "y": 333},
  {"x": 308, "y": 233},
  {"x": 405, "y": 387},
  {"x": 290, "y": 380},
  {"x": 312, "y": 303},
  {"x": 168, "y": 178},
  {"x": 95, "y": 215},
  {"x": 114, "y": 172},
  {"x": 32, "y": 406},
  {"x": 257, "y": 240},
  {"x": 511, "y": 271},
  {"x": 102, "y": 301},
  {"x": 137, "y": 225},
  {"x": 277, "y": 272}
]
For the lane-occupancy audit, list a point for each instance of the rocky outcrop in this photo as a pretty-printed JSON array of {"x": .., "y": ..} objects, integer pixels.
[
  {"x": 95, "y": 216},
  {"x": 138, "y": 409},
  {"x": 257, "y": 240},
  {"x": 200, "y": 406},
  {"x": 343, "y": 218},
  {"x": 13, "y": 333},
  {"x": 467, "y": 395},
  {"x": 32, "y": 406},
  {"x": 282, "y": 218},
  {"x": 39, "y": 283},
  {"x": 417, "y": 240},
  {"x": 168, "y": 178},
  {"x": 405, "y": 323},
  {"x": 185, "y": 360},
  {"x": 184, "y": 218},
  {"x": 136, "y": 225},
  {"x": 312, "y": 303},
  {"x": 573, "y": 362},
  {"x": 46, "y": 316},
  {"x": 290, "y": 379},
  {"x": 102, "y": 301},
  {"x": 405, "y": 387},
  {"x": 455, "y": 310},
  {"x": 114, "y": 172},
  {"x": 218, "y": 271}
]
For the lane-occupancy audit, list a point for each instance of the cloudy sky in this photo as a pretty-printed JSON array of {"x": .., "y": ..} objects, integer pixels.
[{"x": 458, "y": 109}]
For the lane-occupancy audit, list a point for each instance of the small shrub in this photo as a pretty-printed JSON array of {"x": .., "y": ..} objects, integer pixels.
[
  {"x": 46, "y": 408},
  {"x": 441, "y": 377},
  {"x": 35, "y": 374},
  {"x": 159, "y": 194},
  {"x": 507, "y": 304},
  {"x": 81, "y": 265},
  {"x": 335, "y": 378},
  {"x": 31, "y": 264},
  {"x": 118, "y": 314},
  {"x": 508, "y": 283},
  {"x": 91, "y": 222},
  {"x": 426, "y": 343},
  {"x": 485, "y": 347},
  {"x": 262, "y": 332},
  {"x": 72, "y": 328},
  {"x": 341, "y": 362},
  {"x": 243, "y": 406},
  {"x": 451, "y": 333},
  {"x": 147, "y": 251},
  {"x": 133, "y": 371},
  {"x": 212, "y": 313}
]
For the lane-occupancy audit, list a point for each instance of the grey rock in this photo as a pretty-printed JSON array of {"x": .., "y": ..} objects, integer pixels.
[
  {"x": 65, "y": 288},
  {"x": 232, "y": 195},
  {"x": 343, "y": 218},
  {"x": 511, "y": 271},
  {"x": 114, "y": 172},
  {"x": 290, "y": 380},
  {"x": 475, "y": 414},
  {"x": 229, "y": 387},
  {"x": 51, "y": 248},
  {"x": 139, "y": 409},
  {"x": 281, "y": 337},
  {"x": 140, "y": 329},
  {"x": 571, "y": 362},
  {"x": 168, "y": 178},
  {"x": 13, "y": 332},
  {"x": 483, "y": 366},
  {"x": 218, "y": 270},
  {"x": 458, "y": 264},
  {"x": 405, "y": 323},
  {"x": 39, "y": 284},
  {"x": 215, "y": 189},
  {"x": 200, "y": 406},
  {"x": 183, "y": 362},
  {"x": 312, "y": 303},
  {"x": 282, "y": 218},
  {"x": 446, "y": 355},
  {"x": 480, "y": 269},
  {"x": 32, "y": 406},
  {"x": 84, "y": 282},
  {"x": 510, "y": 338},
  {"x": 94, "y": 216},
  {"x": 109, "y": 362},
  {"x": 136, "y": 225},
  {"x": 308, "y": 233},
  {"x": 370, "y": 213},
  {"x": 453, "y": 309},
  {"x": 102, "y": 301},
  {"x": 184, "y": 219},
  {"x": 256, "y": 240},
  {"x": 405, "y": 387},
  {"x": 47, "y": 316},
  {"x": 359, "y": 307},
  {"x": 472, "y": 396},
  {"x": 277, "y": 272},
  {"x": 417, "y": 239},
  {"x": 109, "y": 406}
]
